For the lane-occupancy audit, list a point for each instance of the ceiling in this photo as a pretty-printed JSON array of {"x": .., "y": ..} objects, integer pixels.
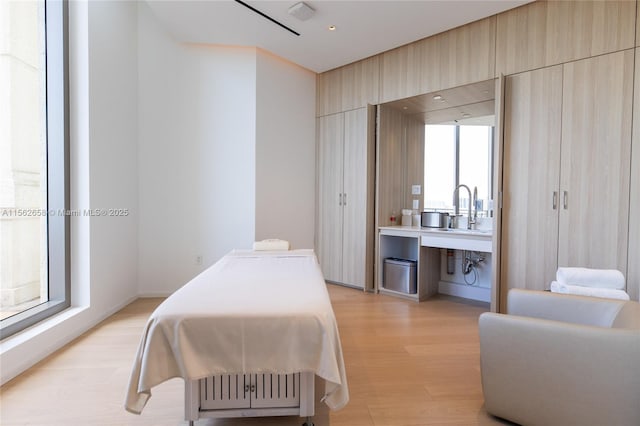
[
  {"x": 472, "y": 104},
  {"x": 363, "y": 28}
]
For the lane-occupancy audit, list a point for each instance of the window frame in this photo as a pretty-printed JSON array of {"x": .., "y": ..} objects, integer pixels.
[{"x": 57, "y": 146}]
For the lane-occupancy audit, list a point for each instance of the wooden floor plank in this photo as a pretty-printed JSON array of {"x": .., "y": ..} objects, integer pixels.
[{"x": 408, "y": 364}]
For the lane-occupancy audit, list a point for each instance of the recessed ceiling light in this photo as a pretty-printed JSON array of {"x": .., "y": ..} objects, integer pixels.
[
  {"x": 404, "y": 107},
  {"x": 466, "y": 115},
  {"x": 437, "y": 97},
  {"x": 332, "y": 27}
]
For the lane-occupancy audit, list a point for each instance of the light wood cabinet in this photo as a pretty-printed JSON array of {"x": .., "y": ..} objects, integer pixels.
[
  {"x": 345, "y": 238},
  {"x": 531, "y": 170},
  {"x": 349, "y": 87},
  {"x": 566, "y": 169},
  {"x": 460, "y": 56},
  {"x": 545, "y": 33},
  {"x": 596, "y": 151}
]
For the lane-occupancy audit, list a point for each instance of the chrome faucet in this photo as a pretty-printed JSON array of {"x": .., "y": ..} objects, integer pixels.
[
  {"x": 475, "y": 204},
  {"x": 456, "y": 204}
]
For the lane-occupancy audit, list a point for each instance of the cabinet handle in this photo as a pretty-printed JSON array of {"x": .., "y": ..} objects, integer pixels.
[
  {"x": 555, "y": 200},
  {"x": 340, "y": 199},
  {"x": 344, "y": 199},
  {"x": 565, "y": 199}
]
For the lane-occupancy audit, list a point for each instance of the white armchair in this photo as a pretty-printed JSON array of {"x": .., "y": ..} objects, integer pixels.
[{"x": 562, "y": 360}]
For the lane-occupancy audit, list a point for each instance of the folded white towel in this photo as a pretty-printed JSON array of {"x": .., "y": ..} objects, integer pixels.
[
  {"x": 585, "y": 277},
  {"x": 271, "y": 244},
  {"x": 608, "y": 293}
]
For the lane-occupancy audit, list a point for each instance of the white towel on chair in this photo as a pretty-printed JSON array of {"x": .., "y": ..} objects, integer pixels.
[
  {"x": 608, "y": 293},
  {"x": 585, "y": 277},
  {"x": 271, "y": 244}
]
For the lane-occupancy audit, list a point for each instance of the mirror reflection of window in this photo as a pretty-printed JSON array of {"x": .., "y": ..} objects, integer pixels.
[
  {"x": 439, "y": 167},
  {"x": 444, "y": 170}
]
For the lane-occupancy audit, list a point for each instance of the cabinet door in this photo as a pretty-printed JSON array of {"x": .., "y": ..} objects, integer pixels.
[
  {"x": 356, "y": 176},
  {"x": 596, "y": 150},
  {"x": 330, "y": 210},
  {"x": 531, "y": 173}
]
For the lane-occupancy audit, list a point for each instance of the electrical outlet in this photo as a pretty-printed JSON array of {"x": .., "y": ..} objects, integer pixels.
[
  {"x": 199, "y": 260},
  {"x": 416, "y": 189}
]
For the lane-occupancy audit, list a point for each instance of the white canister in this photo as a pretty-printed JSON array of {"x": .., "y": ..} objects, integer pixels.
[
  {"x": 416, "y": 220},
  {"x": 406, "y": 220}
]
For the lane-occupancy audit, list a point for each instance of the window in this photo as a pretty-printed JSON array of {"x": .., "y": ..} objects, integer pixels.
[
  {"x": 457, "y": 155},
  {"x": 34, "y": 243}
]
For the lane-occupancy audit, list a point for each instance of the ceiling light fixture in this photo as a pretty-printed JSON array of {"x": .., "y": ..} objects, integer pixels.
[
  {"x": 466, "y": 115},
  {"x": 332, "y": 27},
  {"x": 437, "y": 97},
  {"x": 302, "y": 11}
]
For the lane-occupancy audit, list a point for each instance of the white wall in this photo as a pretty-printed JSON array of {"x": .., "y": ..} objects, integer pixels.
[
  {"x": 113, "y": 153},
  {"x": 226, "y": 154},
  {"x": 103, "y": 102},
  {"x": 184, "y": 137},
  {"x": 196, "y": 155},
  {"x": 285, "y": 151}
]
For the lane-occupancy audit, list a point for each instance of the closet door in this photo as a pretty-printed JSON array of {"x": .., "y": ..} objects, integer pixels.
[
  {"x": 531, "y": 175},
  {"x": 330, "y": 195},
  {"x": 355, "y": 197},
  {"x": 596, "y": 149}
]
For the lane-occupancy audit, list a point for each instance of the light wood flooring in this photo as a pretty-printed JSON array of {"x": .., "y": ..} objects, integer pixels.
[{"x": 407, "y": 364}]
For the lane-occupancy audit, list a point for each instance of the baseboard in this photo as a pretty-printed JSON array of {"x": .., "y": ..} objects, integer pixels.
[{"x": 481, "y": 294}]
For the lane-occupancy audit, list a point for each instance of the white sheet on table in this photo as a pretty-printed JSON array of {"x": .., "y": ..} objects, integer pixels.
[{"x": 248, "y": 313}]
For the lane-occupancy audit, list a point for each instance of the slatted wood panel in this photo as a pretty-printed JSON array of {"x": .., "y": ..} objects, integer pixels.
[
  {"x": 545, "y": 33},
  {"x": 275, "y": 390},
  {"x": 225, "y": 391}
]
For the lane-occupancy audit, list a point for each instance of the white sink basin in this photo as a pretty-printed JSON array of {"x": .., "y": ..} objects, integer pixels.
[{"x": 461, "y": 231}]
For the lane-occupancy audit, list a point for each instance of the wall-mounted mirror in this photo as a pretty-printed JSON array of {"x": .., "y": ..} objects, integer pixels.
[{"x": 457, "y": 144}]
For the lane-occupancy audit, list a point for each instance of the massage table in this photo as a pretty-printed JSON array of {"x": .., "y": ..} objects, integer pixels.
[{"x": 248, "y": 335}]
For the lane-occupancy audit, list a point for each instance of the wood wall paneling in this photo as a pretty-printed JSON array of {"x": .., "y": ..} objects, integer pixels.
[
  {"x": 633, "y": 267},
  {"x": 531, "y": 170},
  {"x": 545, "y": 33},
  {"x": 349, "y": 87},
  {"x": 414, "y": 159},
  {"x": 596, "y": 151},
  {"x": 457, "y": 57},
  {"x": 328, "y": 92},
  {"x": 390, "y": 174}
]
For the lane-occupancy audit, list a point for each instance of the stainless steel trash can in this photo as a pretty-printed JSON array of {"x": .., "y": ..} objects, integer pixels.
[{"x": 400, "y": 275}]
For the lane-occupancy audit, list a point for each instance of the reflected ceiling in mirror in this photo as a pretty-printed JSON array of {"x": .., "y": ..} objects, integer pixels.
[{"x": 473, "y": 104}]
